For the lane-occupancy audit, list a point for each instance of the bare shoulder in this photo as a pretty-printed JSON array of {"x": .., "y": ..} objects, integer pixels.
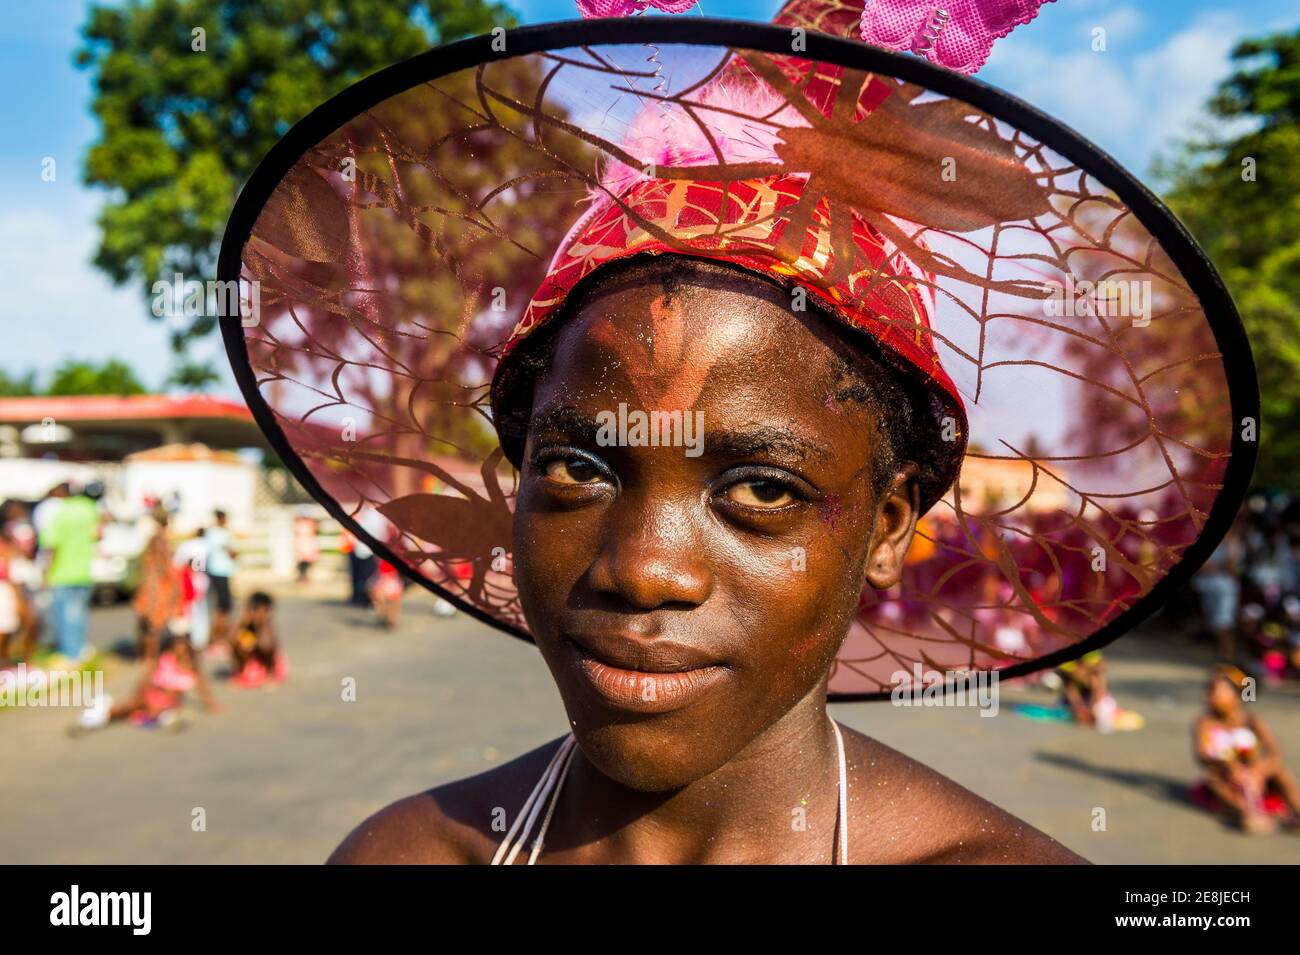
[
  {"x": 457, "y": 823},
  {"x": 905, "y": 812}
]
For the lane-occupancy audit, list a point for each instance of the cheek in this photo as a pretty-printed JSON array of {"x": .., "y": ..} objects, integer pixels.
[
  {"x": 809, "y": 656},
  {"x": 799, "y": 610},
  {"x": 550, "y": 555}
]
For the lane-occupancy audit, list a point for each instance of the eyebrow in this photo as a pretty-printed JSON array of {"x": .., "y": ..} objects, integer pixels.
[
  {"x": 762, "y": 439},
  {"x": 566, "y": 420},
  {"x": 744, "y": 441}
]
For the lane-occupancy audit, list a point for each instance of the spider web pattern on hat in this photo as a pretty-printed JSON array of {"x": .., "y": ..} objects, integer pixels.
[{"x": 395, "y": 258}]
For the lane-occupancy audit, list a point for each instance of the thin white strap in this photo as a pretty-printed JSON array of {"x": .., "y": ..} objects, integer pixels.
[
  {"x": 842, "y": 816},
  {"x": 552, "y": 774},
  {"x": 526, "y": 813},
  {"x": 524, "y": 809},
  {"x": 548, "y": 790},
  {"x": 550, "y": 809}
]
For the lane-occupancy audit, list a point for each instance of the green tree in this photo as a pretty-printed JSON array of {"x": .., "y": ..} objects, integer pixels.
[
  {"x": 193, "y": 376},
  {"x": 1239, "y": 193},
  {"x": 113, "y": 377},
  {"x": 17, "y": 386},
  {"x": 191, "y": 94}
]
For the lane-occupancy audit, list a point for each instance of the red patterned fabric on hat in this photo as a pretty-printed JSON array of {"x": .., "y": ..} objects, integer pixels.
[
  {"x": 758, "y": 223},
  {"x": 742, "y": 223}
]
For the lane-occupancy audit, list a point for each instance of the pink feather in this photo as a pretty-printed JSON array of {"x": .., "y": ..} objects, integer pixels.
[{"x": 669, "y": 136}]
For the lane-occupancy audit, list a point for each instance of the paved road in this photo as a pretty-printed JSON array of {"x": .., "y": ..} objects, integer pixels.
[{"x": 284, "y": 773}]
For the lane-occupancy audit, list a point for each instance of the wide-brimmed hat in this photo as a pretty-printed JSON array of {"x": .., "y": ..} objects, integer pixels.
[{"x": 1093, "y": 399}]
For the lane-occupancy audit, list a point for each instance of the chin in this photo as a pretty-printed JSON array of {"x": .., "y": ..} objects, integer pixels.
[{"x": 648, "y": 757}]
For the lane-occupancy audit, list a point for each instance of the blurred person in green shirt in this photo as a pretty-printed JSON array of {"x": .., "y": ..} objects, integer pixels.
[{"x": 69, "y": 539}]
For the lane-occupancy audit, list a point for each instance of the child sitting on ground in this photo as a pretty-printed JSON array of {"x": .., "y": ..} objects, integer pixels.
[
  {"x": 1085, "y": 692},
  {"x": 158, "y": 699},
  {"x": 1244, "y": 774},
  {"x": 255, "y": 650}
]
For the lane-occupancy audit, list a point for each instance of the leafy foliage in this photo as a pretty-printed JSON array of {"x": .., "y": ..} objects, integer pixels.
[
  {"x": 17, "y": 386},
  {"x": 1239, "y": 194},
  {"x": 113, "y": 377},
  {"x": 185, "y": 116}
]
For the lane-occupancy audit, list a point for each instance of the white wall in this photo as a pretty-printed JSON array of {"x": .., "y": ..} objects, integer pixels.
[
  {"x": 203, "y": 486},
  {"x": 30, "y": 479}
]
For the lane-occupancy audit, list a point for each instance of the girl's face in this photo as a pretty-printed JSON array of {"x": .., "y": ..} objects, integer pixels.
[
  {"x": 687, "y": 596},
  {"x": 1222, "y": 696}
]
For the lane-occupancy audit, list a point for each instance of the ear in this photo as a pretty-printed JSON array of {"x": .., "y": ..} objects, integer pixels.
[{"x": 896, "y": 515}]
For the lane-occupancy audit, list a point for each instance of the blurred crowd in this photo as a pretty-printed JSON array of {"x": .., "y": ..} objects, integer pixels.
[
  {"x": 56, "y": 562},
  {"x": 188, "y": 620},
  {"x": 1249, "y": 590}
]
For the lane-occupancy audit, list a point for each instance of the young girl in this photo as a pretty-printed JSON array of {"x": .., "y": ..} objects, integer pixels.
[
  {"x": 160, "y": 696},
  {"x": 256, "y": 656},
  {"x": 720, "y": 416},
  {"x": 1244, "y": 773},
  {"x": 648, "y": 581}
]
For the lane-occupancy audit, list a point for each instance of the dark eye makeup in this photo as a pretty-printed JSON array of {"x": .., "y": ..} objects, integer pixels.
[
  {"x": 756, "y": 491},
  {"x": 570, "y": 466}
]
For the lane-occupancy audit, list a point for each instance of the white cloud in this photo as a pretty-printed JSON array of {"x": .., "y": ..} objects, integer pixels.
[
  {"x": 57, "y": 306},
  {"x": 1184, "y": 72},
  {"x": 1132, "y": 104},
  {"x": 1122, "y": 24}
]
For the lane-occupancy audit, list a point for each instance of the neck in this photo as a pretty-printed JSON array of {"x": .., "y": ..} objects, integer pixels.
[{"x": 775, "y": 801}]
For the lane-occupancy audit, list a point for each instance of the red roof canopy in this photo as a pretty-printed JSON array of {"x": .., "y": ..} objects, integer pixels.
[{"x": 73, "y": 408}]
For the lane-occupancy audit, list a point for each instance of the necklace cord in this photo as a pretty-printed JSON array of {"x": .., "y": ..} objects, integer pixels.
[{"x": 548, "y": 789}]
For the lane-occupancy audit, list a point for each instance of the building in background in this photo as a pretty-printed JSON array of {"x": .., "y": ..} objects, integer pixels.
[
  {"x": 215, "y": 449},
  {"x": 192, "y": 454}
]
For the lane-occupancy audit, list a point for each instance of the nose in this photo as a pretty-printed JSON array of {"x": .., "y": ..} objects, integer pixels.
[{"x": 651, "y": 557}]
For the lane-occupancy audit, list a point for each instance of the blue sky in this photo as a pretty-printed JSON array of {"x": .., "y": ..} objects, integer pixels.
[{"x": 1163, "y": 58}]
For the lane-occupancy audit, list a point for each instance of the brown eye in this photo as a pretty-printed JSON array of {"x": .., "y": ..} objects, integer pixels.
[
  {"x": 760, "y": 494},
  {"x": 573, "y": 470}
]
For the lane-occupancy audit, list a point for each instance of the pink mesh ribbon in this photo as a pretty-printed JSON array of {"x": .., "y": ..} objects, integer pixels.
[
  {"x": 958, "y": 34},
  {"x": 627, "y": 8}
]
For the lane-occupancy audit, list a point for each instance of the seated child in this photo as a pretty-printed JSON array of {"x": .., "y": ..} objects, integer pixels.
[
  {"x": 1086, "y": 693},
  {"x": 1244, "y": 774},
  {"x": 1084, "y": 686},
  {"x": 255, "y": 651},
  {"x": 158, "y": 699}
]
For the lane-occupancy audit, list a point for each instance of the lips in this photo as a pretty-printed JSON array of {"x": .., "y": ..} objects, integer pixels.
[{"x": 644, "y": 676}]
